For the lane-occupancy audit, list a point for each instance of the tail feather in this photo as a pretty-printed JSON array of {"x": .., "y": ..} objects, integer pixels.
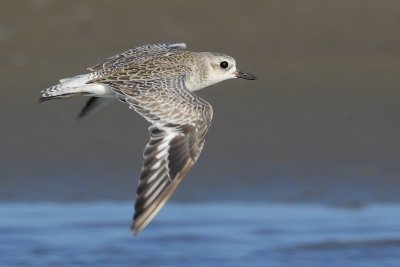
[
  {"x": 76, "y": 86},
  {"x": 62, "y": 96},
  {"x": 59, "y": 91},
  {"x": 100, "y": 94},
  {"x": 67, "y": 87}
]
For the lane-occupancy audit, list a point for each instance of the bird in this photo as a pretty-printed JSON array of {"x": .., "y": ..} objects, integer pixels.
[{"x": 158, "y": 81}]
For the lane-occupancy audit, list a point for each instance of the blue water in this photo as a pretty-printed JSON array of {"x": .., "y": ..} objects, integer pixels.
[{"x": 200, "y": 234}]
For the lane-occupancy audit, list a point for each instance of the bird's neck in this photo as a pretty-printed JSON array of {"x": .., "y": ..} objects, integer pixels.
[{"x": 199, "y": 77}]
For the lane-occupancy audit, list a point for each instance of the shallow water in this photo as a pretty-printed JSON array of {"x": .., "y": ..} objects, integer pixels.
[{"x": 199, "y": 234}]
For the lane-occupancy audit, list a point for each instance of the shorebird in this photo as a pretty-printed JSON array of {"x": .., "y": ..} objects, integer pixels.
[{"x": 158, "y": 82}]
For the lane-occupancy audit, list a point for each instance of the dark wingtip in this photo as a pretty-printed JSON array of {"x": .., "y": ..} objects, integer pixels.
[
  {"x": 80, "y": 115},
  {"x": 134, "y": 230},
  {"x": 89, "y": 105}
]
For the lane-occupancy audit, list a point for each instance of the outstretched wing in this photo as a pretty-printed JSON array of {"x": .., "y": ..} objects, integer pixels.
[
  {"x": 169, "y": 155},
  {"x": 176, "y": 140},
  {"x": 180, "y": 121},
  {"x": 135, "y": 56}
]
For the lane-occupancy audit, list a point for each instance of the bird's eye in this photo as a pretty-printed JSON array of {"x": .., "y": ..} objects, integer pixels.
[{"x": 224, "y": 64}]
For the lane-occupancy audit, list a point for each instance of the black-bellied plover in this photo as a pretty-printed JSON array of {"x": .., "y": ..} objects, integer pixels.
[{"x": 157, "y": 81}]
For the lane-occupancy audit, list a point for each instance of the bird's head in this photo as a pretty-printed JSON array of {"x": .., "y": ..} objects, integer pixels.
[
  {"x": 214, "y": 68},
  {"x": 223, "y": 67}
]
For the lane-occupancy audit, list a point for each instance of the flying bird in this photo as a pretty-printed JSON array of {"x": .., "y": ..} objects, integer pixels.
[{"x": 157, "y": 81}]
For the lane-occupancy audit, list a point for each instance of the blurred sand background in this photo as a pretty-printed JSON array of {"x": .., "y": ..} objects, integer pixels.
[{"x": 320, "y": 124}]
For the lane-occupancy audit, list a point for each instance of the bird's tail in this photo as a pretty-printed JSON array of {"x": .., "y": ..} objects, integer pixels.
[
  {"x": 75, "y": 86},
  {"x": 58, "y": 92}
]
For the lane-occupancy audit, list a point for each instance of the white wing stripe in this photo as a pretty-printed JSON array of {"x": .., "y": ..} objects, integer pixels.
[
  {"x": 153, "y": 186},
  {"x": 155, "y": 175},
  {"x": 157, "y": 192}
]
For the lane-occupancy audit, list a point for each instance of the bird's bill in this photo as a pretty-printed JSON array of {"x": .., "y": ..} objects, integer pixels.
[{"x": 244, "y": 75}]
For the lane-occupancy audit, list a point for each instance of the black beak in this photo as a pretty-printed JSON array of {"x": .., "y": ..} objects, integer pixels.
[{"x": 244, "y": 75}]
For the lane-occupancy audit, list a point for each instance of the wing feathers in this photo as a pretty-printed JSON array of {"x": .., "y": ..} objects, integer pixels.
[
  {"x": 180, "y": 121},
  {"x": 143, "y": 218},
  {"x": 169, "y": 155},
  {"x": 135, "y": 56},
  {"x": 166, "y": 157}
]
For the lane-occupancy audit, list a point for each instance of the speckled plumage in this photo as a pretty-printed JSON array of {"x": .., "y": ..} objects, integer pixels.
[{"x": 157, "y": 81}]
